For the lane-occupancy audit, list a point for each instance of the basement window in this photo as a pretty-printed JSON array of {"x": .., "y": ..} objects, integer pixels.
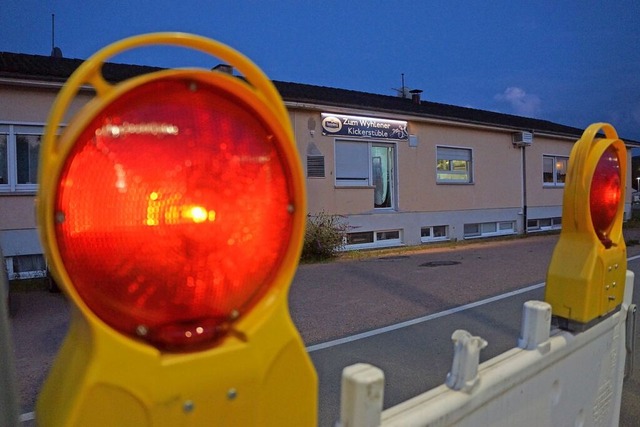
[
  {"x": 435, "y": 233},
  {"x": 488, "y": 229}
]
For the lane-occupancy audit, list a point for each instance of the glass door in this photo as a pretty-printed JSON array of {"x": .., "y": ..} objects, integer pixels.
[{"x": 382, "y": 175}]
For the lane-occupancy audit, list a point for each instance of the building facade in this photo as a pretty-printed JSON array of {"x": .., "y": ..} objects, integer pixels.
[
  {"x": 399, "y": 171},
  {"x": 410, "y": 172}
]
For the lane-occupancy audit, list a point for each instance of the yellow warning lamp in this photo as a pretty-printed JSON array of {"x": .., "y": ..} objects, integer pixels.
[
  {"x": 586, "y": 277},
  {"x": 172, "y": 212}
]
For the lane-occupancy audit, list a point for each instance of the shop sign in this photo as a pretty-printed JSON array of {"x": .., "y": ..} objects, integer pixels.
[{"x": 364, "y": 127}]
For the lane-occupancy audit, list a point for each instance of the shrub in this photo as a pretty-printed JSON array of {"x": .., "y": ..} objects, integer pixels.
[{"x": 324, "y": 237}]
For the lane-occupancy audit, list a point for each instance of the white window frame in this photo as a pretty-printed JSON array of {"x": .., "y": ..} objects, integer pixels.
[
  {"x": 554, "y": 158},
  {"x": 490, "y": 229},
  {"x": 27, "y": 274},
  {"x": 451, "y": 153},
  {"x": 11, "y": 130},
  {"x": 540, "y": 224},
  {"x": 380, "y": 240},
  {"x": 431, "y": 237},
  {"x": 354, "y": 166}
]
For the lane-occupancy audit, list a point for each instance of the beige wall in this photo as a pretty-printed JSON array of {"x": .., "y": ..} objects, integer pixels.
[
  {"x": 25, "y": 105},
  {"x": 321, "y": 194},
  {"x": 32, "y": 104},
  {"x": 493, "y": 160},
  {"x": 17, "y": 212},
  {"x": 497, "y": 170},
  {"x": 29, "y": 105}
]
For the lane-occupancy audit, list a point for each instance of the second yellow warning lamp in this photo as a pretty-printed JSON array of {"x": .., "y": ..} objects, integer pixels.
[{"x": 586, "y": 277}]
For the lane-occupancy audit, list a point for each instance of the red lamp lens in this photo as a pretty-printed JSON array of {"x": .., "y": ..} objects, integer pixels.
[
  {"x": 605, "y": 193},
  {"x": 173, "y": 212}
]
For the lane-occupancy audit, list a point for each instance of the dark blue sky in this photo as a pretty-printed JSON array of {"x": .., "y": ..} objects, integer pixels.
[{"x": 571, "y": 62}]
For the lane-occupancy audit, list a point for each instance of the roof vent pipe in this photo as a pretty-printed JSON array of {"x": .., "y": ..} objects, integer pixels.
[
  {"x": 415, "y": 95},
  {"x": 224, "y": 68},
  {"x": 56, "y": 52}
]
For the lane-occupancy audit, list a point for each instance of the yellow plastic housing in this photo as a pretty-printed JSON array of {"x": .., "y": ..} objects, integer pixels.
[
  {"x": 259, "y": 374},
  {"x": 586, "y": 280}
]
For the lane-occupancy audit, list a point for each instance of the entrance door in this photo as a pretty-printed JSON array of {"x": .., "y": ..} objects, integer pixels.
[{"x": 382, "y": 170}]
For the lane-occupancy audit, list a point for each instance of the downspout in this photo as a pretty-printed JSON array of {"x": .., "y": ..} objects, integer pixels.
[{"x": 524, "y": 190}]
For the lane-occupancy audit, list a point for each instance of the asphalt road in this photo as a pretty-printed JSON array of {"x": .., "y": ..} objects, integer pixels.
[
  {"x": 340, "y": 299},
  {"x": 343, "y": 298},
  {"x": 417, "y": 358}
]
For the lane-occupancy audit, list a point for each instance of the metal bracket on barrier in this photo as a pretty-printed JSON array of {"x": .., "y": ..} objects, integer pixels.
[
  {"x": 630, "y": 344},
  {"x": 536, "y": 325},
  {"x": 466, "y": 357}
]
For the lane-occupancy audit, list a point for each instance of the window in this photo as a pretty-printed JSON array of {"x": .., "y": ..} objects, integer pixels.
[
  {"x": 26, "y": 266},
  {"x": 544, "y": 224},
  {"x": 388, "y": 235},
  {"x": 352, "y": 163},
  {"x": 373, "y": 239},
  {"x": 453, "y": 165},
  {"x": 505, "y": 227},
  {"x": 3, "y": 160},
  {"x": 360, "y": 238},
  {"x": 434, "y": 233},
  {"x": 488, "y": 229},
  {"x": 554, "y": 170},
  {"x": 364, "y": 164},
  {"x": 19, "y": 152},
  {"x": 27, "y": 150}
]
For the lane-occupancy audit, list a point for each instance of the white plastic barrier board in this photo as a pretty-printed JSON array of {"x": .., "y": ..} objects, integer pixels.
[{"x": 553, "y": 378}]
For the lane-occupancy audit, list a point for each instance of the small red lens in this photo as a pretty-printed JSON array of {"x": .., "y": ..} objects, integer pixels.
[
  {"x": 605, "y": 193},
  {"x": 173, "y": 212}
]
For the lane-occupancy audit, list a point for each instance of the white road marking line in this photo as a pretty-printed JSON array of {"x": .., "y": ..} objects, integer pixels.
[
  {"x": 423, "y": 319},
  {"x": 418, "y": 320}
]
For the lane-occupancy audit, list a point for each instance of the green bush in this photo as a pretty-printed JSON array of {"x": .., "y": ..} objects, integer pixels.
[{"x": 324, "y": 237}]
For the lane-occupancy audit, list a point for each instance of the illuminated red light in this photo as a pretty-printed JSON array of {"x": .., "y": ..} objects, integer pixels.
[
  {"x": 605, "y": 193},
  {"x": 173, "y": 212}
]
